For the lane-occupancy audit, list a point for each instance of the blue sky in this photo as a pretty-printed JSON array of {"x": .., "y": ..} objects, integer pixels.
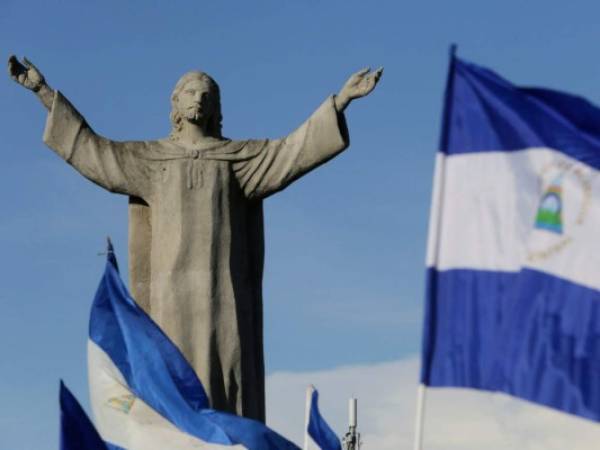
[{"x": 345, "y": 245}]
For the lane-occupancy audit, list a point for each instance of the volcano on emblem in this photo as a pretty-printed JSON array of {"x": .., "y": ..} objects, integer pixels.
[{"x": 549, "y": 214}]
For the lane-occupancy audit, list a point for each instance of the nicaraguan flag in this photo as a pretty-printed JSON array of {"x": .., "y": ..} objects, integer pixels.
[
  {"x": 513, "y": 300},
  {"x": 144, "y": 394},
  {"x": 319, "y": 434},
  {"x": 76, "y": 430}
]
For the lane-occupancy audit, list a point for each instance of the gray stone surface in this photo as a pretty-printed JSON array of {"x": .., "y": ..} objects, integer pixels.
[{"x": 196, "y": 223}]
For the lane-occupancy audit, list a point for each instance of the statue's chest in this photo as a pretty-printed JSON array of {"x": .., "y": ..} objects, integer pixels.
[{"x": 193, "y": 176}]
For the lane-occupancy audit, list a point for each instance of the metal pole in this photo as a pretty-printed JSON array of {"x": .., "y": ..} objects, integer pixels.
[
  {"x": 419, "y": 418},
  {"x": 352, "y": 438}
]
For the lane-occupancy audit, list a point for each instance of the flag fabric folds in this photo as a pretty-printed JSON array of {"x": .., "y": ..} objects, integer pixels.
[
  {"x": 319, "y": 433},
  {"x": 76, "y": 430},
  {"x": 513, "y": 285},
  {"x": 144, "y": 394}
]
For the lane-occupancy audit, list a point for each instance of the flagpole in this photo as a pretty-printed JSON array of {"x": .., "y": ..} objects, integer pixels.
[
  {"x": 432, "y": 246},
  {"x": 309, "y": 391},
  {"x": 419, "y": 417}
]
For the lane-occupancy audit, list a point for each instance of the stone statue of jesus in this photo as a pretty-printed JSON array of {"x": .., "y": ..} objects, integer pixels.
[{"x": 196, "y": 241}]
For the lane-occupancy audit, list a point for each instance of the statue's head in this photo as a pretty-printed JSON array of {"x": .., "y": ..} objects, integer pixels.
[{"x": 196, "y": 99}]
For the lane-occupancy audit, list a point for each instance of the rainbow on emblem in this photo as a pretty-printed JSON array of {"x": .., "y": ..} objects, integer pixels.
[{"x": 549, "y": 215}]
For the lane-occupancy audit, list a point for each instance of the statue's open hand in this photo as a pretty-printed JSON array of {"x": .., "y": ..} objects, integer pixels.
[
  {"x": 26, "y": 74},
  {"x": 358, "y": 85}
]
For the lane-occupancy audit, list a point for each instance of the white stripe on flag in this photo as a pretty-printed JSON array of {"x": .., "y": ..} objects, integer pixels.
[
  {"x": 127, "y": 421},
  {"x": 491, "y": 200}
]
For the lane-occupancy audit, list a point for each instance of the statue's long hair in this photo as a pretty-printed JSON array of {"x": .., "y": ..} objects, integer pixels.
[{"x": 215, "y": 120}]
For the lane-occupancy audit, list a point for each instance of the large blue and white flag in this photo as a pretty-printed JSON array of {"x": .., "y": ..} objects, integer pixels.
[
  {"x": 76, "y": 430},
  {"x": 318, "y": 433},
  {"x": 144, "y": 394},
  {"x": 513, "y": 301}
]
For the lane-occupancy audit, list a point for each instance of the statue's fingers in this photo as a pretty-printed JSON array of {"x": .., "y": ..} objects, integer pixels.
[
  {"x": 362, "y": 72},
  {"x": 27, "y": 63},
  {"x": 13, "y": 65},
  {"x": 30, "y": 65},
  {"x": 378, "y": 73}
]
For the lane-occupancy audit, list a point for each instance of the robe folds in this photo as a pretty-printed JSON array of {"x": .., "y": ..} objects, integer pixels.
[{"x": 196, "y": 242}]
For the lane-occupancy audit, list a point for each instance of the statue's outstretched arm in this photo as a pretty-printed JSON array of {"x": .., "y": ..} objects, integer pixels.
[
  {"x": 281, "y": 161},
  {"x": 28, "y": 76},
  {"x": 358, "y": 85},
  {"x": 116, "y": 166}
]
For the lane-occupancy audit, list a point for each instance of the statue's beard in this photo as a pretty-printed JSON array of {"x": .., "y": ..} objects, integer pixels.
[{"x": 194, "y": 115}]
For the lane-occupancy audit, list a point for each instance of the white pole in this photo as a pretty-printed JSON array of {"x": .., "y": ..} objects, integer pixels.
[
  {"x": 309, "y": 391},
  {"x": 419, "y": 418},
  {"x": 351, "y": 440},
  {"x": 352, "y": 412}
]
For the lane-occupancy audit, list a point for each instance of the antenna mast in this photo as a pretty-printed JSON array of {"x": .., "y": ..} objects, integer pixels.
[{"x": 352, "y": 440}]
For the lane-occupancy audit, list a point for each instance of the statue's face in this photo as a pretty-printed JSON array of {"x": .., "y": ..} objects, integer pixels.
[{"x": 195, "y": 102}]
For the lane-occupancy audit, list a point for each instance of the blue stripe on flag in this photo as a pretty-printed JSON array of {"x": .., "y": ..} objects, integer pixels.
[
  {"x": 76, "y": 430},
  {"x": 157, "y": 372},
  {"x": 527, "y": 333},
  {"x": 318, "y": 429},
  {"x": 484, "y": 112}
]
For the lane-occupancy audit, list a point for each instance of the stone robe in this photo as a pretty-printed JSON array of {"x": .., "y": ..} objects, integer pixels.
[{"x": 196, "y": 235}]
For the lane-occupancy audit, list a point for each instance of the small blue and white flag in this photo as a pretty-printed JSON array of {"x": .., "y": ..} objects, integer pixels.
[
  {"x": 513, "y": 301},
  {"x": 144, "y": 394},
  {"x": 318, "y": 434},
  {"x": 76, "y": 430}
]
